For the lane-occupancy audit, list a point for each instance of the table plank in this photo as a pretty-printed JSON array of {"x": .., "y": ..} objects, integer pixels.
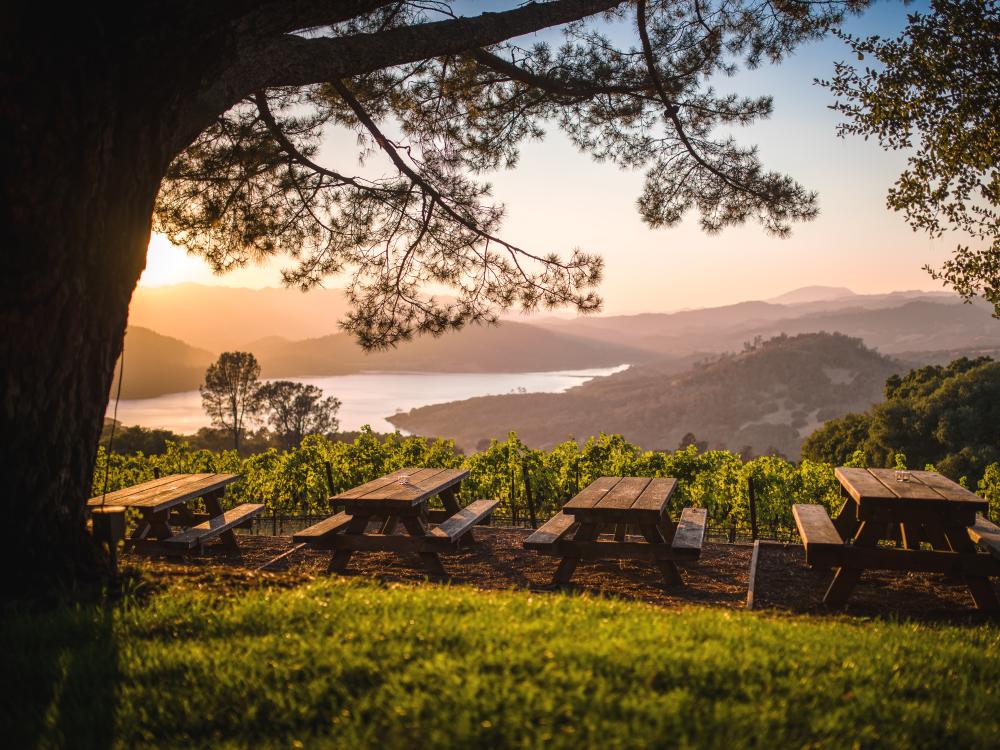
[
  {"x": 948, "y": 489},
  {"x": 175, "y": 495},
  {"x": 624, "y": 494},
  {"x": 128, "y": 491},
  {"x": 656, "y": 495},
  {"x": 136, "y": 496},
  {"x": 591, "y": 494},
  {"x": 859, "y": 484},
  {"x": 911, "y": 490},
  {"x": 374, "y": 484},
  {"x": 420, "y": 486}
]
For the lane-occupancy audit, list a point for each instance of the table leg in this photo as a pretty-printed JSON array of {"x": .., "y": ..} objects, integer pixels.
[
  {"x": 185, "y": 515},
  {"x": 390, "y": 524},
  {"x": 142, "y": 529},
  {"x": 449, "y": 498},
  {"x": 620, "y": 530},
  {"x": 846, "y": 577},
  {"x": 846, "y": 521},
  {"x": 213, "y": 505},
  {"x": 979, "y": 586},
  {"x": 667, "y": 529},
  {"x": 586, "y": 532},
  {"x": 340, "y": 558},
  {"x": 671, "y": 575},
  {"x": 912, "y": 535},
  {"x": 431, "y": 561}
]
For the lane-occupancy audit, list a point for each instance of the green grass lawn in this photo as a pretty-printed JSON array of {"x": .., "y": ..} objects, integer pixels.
[{"x": 355, "y": 664}]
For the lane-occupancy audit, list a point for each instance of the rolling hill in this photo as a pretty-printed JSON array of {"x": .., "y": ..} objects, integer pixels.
[
  {"x": 897, "y": 322},
  {"x": 157, "y": 364},
  {"x": 769, "y": 397},
  {"x": 220, "y": 318},
  {"x": 508, "y": 347}
]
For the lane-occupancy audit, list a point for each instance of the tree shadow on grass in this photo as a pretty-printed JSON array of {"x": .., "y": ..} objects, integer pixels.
[{"x": 61, "y": 669}]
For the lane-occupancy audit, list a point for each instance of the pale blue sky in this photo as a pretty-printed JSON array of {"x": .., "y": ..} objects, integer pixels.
[{"x": 558, "y": 199}]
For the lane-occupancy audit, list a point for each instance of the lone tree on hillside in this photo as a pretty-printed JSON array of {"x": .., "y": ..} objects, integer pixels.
[
  {"x": 295, "y": 410},
  {"x": 231, "y": 393},
  {"x": 206, "y": 119}
]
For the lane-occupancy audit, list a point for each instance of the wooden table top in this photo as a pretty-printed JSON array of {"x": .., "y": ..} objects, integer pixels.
[
  {"x": 925, "y": 490},
  {"x": 165, "y": 492},
  {"x": 623, "y": 498},
  {"x": 402, "y": 488}
]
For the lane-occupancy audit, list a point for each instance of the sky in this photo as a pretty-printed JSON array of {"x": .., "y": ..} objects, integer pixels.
[{"x": 558, "y": 199}]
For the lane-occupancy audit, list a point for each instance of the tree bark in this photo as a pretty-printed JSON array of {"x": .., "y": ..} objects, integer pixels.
[{"x": 80, "y": 166}]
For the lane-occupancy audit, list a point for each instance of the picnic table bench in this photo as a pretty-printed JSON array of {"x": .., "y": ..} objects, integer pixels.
[
  {"x": 162, "y": 502},
  {"x": 619, "y": 504},
  {"x": 934, "y": 523},
  {"x": 399, "y": 498}
]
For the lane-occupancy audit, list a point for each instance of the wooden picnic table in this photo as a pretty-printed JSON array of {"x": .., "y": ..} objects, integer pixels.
[
  {"x": 401, "y": 497},
  {"x": 933, "y": 524},
  {"x": 617, "y": 504},
  {"x": 162, "y": 502}
]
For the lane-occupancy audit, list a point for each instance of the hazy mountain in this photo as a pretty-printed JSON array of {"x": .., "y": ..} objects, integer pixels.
[
  {"x": 156, "y": 364},
  {"x": 902, "y": 321},
  {"x": 508, "y": 347},
  {"x": 812, "y": 294},
  {"x": 772, "y": 396},
  {"x": 221, "y": 318}
]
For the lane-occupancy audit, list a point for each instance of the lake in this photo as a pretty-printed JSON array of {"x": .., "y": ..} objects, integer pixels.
[{"x": 367, "y": 397}]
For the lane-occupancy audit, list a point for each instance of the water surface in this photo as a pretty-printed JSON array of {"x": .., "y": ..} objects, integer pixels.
[{"x": 367, "y": 397}]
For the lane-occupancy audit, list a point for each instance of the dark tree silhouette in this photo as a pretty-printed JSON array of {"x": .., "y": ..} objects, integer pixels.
[
  {"x": 218, "y": 108},
  {"x": 231, "y": 394},
  {"x": 295, "y": 410}
]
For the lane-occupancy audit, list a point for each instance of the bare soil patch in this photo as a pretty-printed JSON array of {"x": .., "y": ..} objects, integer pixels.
[
  {"x": 497, "y": 561},
  {"x": 720, "y": 578}
]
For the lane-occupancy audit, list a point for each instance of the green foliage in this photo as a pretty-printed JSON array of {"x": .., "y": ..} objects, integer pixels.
[
  {"x": 296, "y": 410},
  {"x": 932, "y": 93},
  {"x": 948, "y": 416},
  {"x": 256, "y": 184},
  {"x": 353, "y": 664},
  {"x": 294, "y": 482},
  {"x": 230, "y": 394}
]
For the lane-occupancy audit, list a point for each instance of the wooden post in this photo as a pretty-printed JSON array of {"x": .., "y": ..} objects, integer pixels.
[
  {"x": 156, "y": 472},
  {"x": 753, "y": 509},
  {"x": 274, "y": 522},
  {"x": 513, "y": 497},
  {"x": 527, "y": 496},
  {"x": 329, "y": 477}
]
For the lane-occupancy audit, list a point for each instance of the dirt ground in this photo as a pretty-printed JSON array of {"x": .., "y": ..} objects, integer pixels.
[
  {"x": 785, "y": 582},
  {"x": 720, "y": 577},
  {"x": 499, "y": 561}
]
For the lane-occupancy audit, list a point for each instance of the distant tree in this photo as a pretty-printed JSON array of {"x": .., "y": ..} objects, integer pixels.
[
  {"x": 690, "y": 439},
  {"x": 295, "y": 410},
  {"x": 837, "y": 440},
  {"x": 933, "y": 92},
  {"x": 231, "y": 392},
  {"x": 946, "y": 416},
  {"x": 137, "y": 439}
]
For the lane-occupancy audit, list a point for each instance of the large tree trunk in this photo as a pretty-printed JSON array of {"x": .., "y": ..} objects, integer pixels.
[{"x": 79, "y": 171}]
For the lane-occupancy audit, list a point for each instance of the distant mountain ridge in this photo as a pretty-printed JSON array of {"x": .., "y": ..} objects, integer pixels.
[
  {"x": 290, "y": 333},
  {"x": 812, "y": 294},
  {"x": 769, "y": 397},
  {"x": 508, "y": 347}
]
